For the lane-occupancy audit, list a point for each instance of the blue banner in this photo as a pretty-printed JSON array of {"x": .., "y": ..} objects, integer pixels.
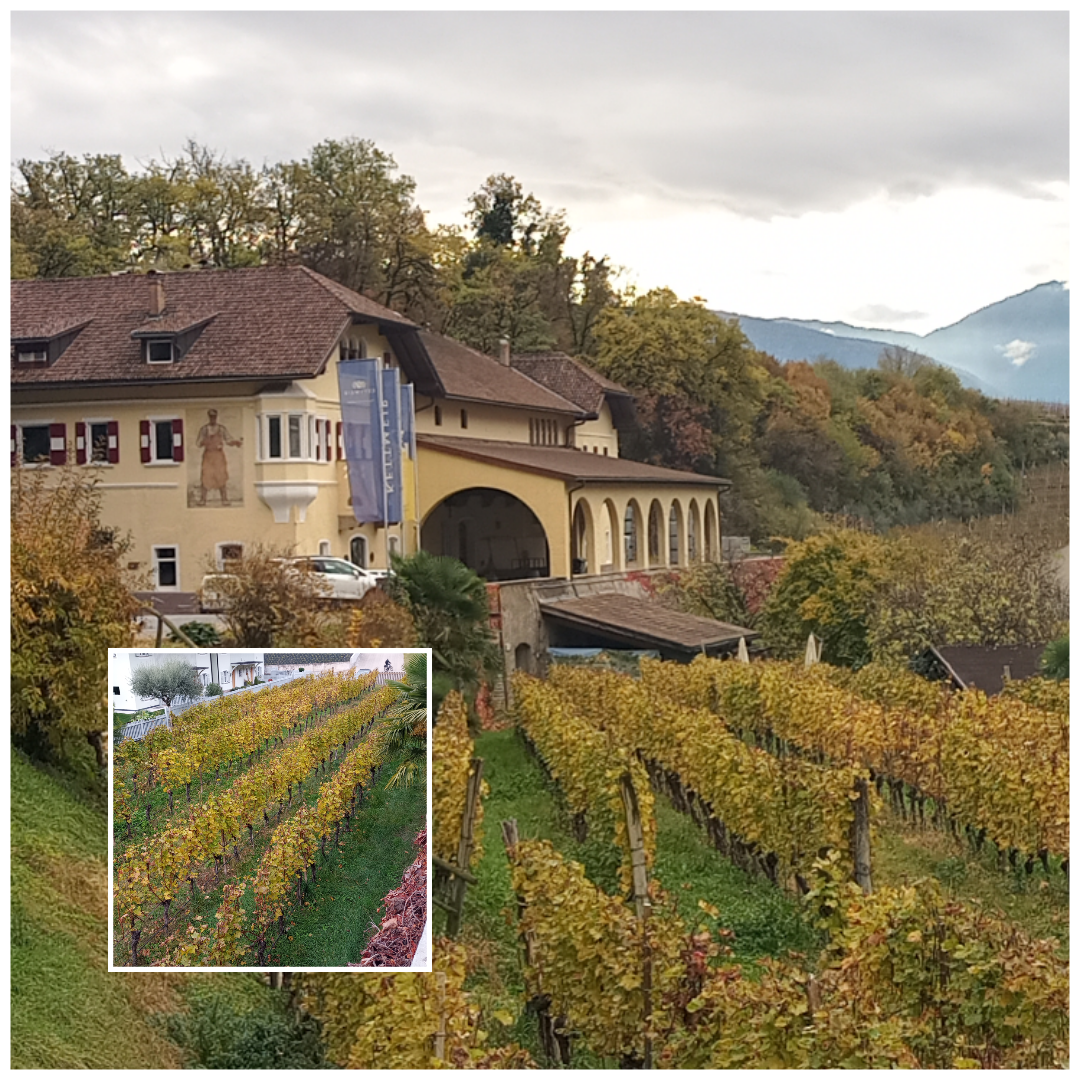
[
  {"x": 391, "y": 444},
  {"x": 408, "y": 430},
  {"x": 361, "y": 428}
]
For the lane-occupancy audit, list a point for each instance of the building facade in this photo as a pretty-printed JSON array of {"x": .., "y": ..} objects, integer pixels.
[{"x": 209, "y": 406}]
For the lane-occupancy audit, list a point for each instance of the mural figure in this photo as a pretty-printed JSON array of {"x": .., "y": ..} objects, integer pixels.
[{"x": 213, "y": 438}]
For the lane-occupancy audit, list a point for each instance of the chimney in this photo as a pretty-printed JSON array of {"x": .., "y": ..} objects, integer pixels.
[
  {"x": 157, "y": 294},
  {"x": 504, "y": 352}
]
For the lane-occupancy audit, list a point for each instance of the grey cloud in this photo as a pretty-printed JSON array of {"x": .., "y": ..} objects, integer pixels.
[{"x": 770, "y": 113}]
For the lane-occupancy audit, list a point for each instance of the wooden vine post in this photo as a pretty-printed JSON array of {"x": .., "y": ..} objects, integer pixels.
[
  {"x": 640, "y": 878},
  {"x": 440, "y": 1031},
  {"x": 458, "y": 879},
  {"x": 860, "y": 835}
]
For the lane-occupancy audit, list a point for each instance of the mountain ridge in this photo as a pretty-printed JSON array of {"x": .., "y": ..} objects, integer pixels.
[{"x": 1017, "y": 347}]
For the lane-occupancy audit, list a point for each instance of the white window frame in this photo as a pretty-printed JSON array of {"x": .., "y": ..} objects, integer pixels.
[
  {"x": 19, "y": 451},
  {"x": 161, "y": 341},
  {"x": 308, "y": 435},
  {"x": 219, "y": 559},
  {"x": 327, "y": 553},
  {"x": 156, "y": 562},
  {"x": 89, "y": 421},
  {"x": 154, "y": 459},
  {"x": 25, "y": 355}
]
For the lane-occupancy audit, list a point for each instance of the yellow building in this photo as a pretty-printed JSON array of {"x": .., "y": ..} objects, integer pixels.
[{"x": 209, "y": 405}]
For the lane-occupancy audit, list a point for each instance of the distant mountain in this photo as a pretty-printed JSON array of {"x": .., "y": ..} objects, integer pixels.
[{"x": 1016, "y": 348}]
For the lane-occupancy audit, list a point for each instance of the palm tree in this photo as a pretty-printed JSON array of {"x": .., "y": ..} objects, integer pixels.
[
  {"x": 449, "y": 606},
  {"x": 405, "y": 727}
]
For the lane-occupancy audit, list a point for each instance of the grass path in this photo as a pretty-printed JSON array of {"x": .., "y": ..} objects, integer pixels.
[
  {"x": 764, "y": 920},
  {"x": 334, "y": 923},
  {"x": 1037, "y": 904}
]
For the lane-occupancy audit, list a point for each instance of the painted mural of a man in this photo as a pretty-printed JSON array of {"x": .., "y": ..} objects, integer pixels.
[{"x": 213, "y": 438}]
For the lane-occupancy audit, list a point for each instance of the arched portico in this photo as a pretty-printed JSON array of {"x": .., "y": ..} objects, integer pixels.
[
  {"x": 491, "y": 531},
  {"x": 583, "y": 540},
  {"x": 693, "y": 532},
  {"x": 611, "y": 548},
  {"x": 676, "y": 535},
  {"x": 656, "y": 534},
  {"x": 634, "y": 553},
  {"x": 712, "y": 537}
]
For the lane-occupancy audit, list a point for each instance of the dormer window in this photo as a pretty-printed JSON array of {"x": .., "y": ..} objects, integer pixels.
[
  {"x": 159, "y": 350},
  {"x": 32, "y": 352}
]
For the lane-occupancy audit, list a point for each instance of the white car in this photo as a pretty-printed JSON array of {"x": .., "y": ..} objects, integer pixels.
[{"x": 342, "y": 579}]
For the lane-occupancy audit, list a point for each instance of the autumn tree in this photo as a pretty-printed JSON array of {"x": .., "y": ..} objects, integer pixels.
[
  {"x": 950, "y": 590},
  {"x": 70, "y": 604},
  {"x": 828, "y": 588},
  {"x": 168, "y": 681}
]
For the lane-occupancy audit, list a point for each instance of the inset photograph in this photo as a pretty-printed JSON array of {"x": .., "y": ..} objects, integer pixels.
[{"x": 270, "y": 809}]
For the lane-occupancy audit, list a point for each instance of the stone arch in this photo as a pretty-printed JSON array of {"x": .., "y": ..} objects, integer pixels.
[
  {"x": 583, "y": 540},
  {"x": 676, "y": 535},
  {"x": 693, "y": 533},
  {"x": 492, "y": 531},
  {"x": 712, "y": 536},
  {"x": 523, "y": 658},
  {"x": 634, "y": 553},
  {"x": 656, "y": 554},
  {"x": 610, "y": 547}
]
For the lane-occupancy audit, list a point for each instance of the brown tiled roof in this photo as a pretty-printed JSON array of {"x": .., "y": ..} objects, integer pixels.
[
  {"x": 982, "y": 667},
  {"x": 173, "y": 322},
  {"x": 569, "y": 378},
  {"x": 644, "y": 622},
  {"x": 270, "y": 322},
  {"x": 564, "y": 463},
  {"x": 46, "y": 327},
  {"x": 471, "y": 376}
]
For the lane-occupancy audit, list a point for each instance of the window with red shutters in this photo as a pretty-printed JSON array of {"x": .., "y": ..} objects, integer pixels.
[
  {"x": 178, "y": 440},
  {"x": 144, "y": 441},
  {"x": 112, "y": 446},
  {"x": 80, "y": 443}
]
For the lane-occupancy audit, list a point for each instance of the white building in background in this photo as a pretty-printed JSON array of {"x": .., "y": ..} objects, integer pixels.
[
  {"x": 229, "y": 668},
  {"x": 287, "y": 663}
]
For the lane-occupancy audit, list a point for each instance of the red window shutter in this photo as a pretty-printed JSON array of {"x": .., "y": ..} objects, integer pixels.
[
  {"x": 113, "y": 432},
  {"x": 340, "y": 446},
  {"x": 318, "y": 439},
  {"x": 14, "y": 445},
  {"x": 57, "y": 444},
  {"x": 178, "y": 440},
  {"x": 80, "y": 443},
  {"x": 144, "y": 441}
]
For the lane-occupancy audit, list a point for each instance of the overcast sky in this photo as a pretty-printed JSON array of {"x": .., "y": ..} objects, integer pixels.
[{"x": 895, "y": 170}]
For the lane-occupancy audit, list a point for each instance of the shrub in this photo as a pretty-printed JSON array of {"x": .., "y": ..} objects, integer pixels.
[
  {"x": 213, "y": 689},
  {"x": 70, "y": 603},
  {"x": 201, "y": 633}
]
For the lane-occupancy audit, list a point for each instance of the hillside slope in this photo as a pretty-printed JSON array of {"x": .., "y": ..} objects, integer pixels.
[{"x": 67, "y": 1011}]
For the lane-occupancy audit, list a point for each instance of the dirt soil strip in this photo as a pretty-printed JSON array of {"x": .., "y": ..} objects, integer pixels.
[{"x": 405, "y": 914}]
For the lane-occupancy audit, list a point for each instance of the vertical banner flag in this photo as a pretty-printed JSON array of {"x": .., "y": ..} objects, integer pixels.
[
  {"x": 360, "y": 417},
  {"x": 390, "y": 400},
  {"x": 408, "y": 411}
]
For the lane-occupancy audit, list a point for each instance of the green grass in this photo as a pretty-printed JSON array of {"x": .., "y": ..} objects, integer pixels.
[
  {"x": 334, "y": 924},
  {"x": 66, "y": 1010},
  {"x": 1038, "y": 904}
]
